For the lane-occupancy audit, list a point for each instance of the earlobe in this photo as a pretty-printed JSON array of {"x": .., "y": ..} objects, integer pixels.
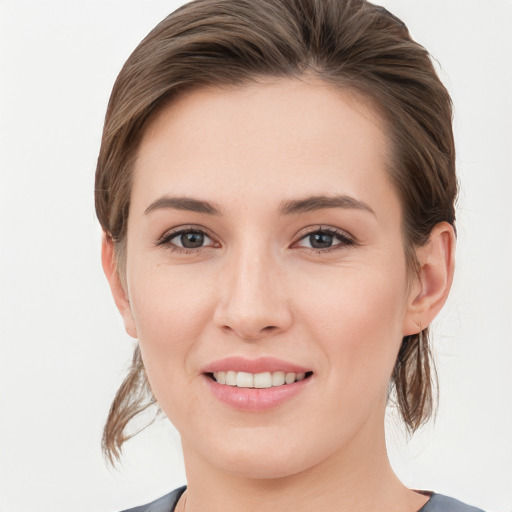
[
  {"x": 436, "y": 266},
  {"x": 108, "y": 261}
]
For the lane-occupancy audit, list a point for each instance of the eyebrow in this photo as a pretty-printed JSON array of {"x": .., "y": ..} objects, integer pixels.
[
  {"x": 183, "y": 203},
  {"x": 292, "y": 207},
  {"x": 313, "y": 203}
]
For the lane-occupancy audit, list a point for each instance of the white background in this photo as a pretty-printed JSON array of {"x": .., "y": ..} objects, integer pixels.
[{"x": 63, "y": 347}]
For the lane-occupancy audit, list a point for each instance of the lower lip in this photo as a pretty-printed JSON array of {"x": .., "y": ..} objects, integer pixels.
[{"x": 254, "y": 399}]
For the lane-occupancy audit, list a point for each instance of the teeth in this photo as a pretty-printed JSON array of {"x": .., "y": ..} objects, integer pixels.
[
  {"x": 290, "y": 378},
  {"x": 263, "y": 380},
  {"x": 244, "y": 380},
  {"x": 278, "y": 378},
  {"x": 258, "y": 380},
  {"x": 231, "y": 378}
]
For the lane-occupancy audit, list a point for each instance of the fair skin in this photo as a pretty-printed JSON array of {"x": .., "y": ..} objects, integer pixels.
[{"x": 322, "y": 286}]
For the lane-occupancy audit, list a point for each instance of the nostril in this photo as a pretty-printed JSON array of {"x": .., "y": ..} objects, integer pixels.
[{"x": 246, "y": 332}]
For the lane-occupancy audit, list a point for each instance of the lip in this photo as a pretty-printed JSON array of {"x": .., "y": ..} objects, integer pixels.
[
  {"x": 254, "y": 399},
  {"x": 260, "y": 365}
]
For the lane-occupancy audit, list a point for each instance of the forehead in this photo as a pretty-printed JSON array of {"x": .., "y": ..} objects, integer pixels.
[{"x": 286, "y": 137}]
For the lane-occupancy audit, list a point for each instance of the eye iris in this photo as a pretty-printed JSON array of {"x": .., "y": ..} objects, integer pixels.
[
  {"x": 192, "y": 240},
  {"x": 320, "y": 240}
]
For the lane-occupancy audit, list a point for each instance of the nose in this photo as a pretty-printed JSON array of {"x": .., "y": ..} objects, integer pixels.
[{"x": 253, "y": 301}]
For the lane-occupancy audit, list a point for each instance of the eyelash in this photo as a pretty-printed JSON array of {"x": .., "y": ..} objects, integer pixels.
[
  {"x": 344, "y": 240},
  {"x": 165, "y": 240}
]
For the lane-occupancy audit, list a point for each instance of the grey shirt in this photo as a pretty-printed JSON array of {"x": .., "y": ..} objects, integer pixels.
[{"x": 436, "y": 503}]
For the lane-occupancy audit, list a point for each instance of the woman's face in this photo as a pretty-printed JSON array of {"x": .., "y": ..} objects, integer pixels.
[{"x": 264, "y": 238}]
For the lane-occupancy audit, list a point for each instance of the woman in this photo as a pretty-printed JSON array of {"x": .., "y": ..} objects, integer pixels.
[{"x": 276, "y": 186}]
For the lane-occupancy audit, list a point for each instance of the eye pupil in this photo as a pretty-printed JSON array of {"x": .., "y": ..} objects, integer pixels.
[
  {"x": 320, "y": 240},
  {"x": 192, "y": 240}
]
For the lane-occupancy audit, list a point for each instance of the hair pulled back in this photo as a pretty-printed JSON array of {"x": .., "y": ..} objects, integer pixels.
[{"x": 351, "y": 44}]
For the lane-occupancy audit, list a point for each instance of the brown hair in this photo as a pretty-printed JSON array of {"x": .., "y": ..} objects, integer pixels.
[{"x": 352, "y": 44}]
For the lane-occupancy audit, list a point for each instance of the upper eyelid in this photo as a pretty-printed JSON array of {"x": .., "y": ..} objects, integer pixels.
[
  {"x": 326, "y": 229},
  {"x": 173, "y": 232}
]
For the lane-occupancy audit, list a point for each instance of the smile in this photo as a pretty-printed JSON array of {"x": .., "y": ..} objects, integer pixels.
[
  {"x": 258, "y": 380},
  {"x": 256, "y": 385}
]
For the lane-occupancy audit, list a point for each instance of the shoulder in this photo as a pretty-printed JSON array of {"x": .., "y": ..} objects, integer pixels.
[
  {"x": 437, "y": 503},
  {"x": 164, "y": 504},
  {"x": 440, "y": 503}
]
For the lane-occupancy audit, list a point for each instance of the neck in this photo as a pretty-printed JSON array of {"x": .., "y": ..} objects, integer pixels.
[{"x": 357, "y": 478}]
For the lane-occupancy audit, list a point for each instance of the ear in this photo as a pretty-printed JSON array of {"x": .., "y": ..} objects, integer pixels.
[
  {"x": 431, "y": 287},
  {"x": 108, "y": 261}
]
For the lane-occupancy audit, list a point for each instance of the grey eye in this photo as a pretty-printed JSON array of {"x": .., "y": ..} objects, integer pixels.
[
  {"x": 191, "y": 240},
  {"x": 321, "y": 240},
  {"x": 325, "y": 239},
  {"x": 188, "y": 239}
]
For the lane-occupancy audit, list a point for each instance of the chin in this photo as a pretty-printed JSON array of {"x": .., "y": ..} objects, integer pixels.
[
  {"x": 264, "y": 458},
  {"x": 263, "y": 468}
]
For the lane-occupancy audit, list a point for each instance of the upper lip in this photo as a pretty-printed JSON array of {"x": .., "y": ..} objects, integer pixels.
[{"x": 259, "y": 365}]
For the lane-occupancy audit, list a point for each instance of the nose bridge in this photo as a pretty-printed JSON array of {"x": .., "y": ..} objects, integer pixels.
[{"x": 253, "y": 301}]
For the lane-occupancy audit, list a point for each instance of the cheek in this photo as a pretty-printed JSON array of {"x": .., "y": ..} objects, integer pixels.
[
  {"x": 358, "y": 320},
  {"x": 170, "y": 311}
]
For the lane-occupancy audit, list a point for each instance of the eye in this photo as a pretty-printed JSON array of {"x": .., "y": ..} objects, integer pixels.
[
  {"x": 186, "y": 240},
  {"x": 325, "y": 239}
]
